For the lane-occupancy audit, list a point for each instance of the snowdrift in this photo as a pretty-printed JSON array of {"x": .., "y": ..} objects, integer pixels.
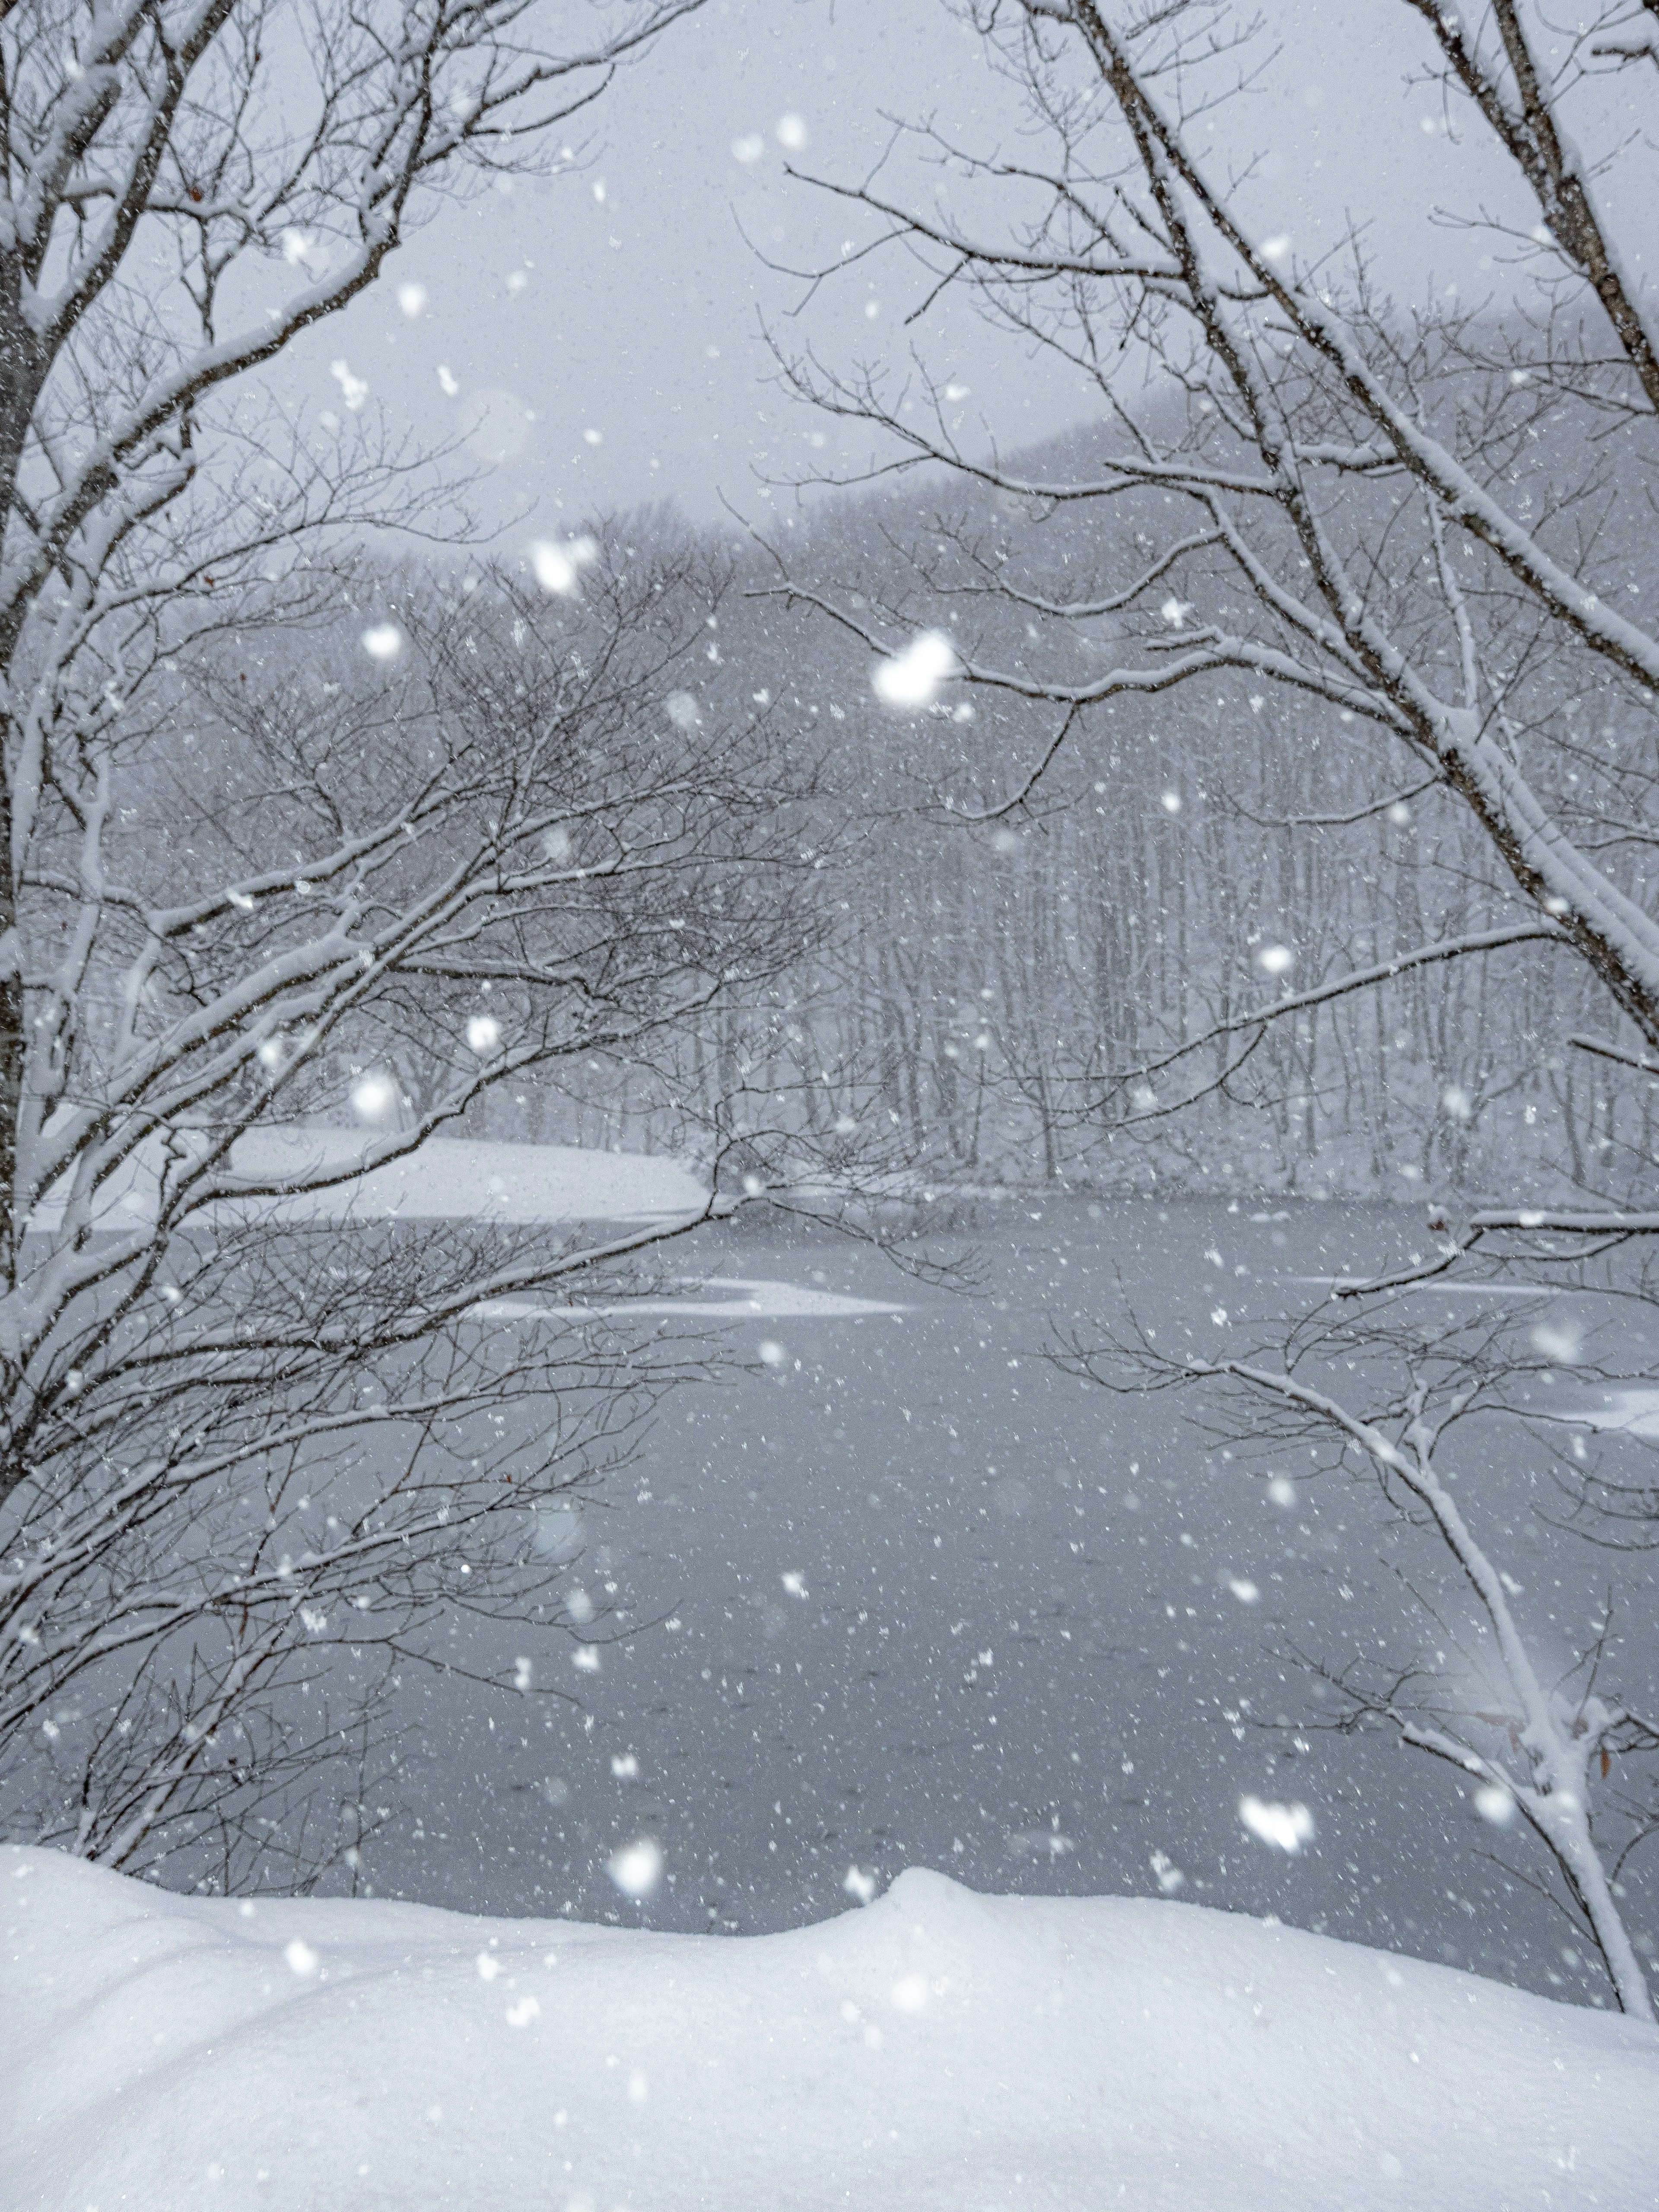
[
  {"x": 448, "y": 1178},
  {"x": 464, "y": 1178},
  {"x": 937, "y": 2049}
]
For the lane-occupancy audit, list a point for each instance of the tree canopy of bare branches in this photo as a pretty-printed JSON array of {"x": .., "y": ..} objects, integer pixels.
[
  {"x": 1432, "y": 521},
  {"x": 449, "y": 837}
]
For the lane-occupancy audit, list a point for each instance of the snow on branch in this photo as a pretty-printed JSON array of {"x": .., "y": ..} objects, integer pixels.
[{"x": 1556, "y": 1738}]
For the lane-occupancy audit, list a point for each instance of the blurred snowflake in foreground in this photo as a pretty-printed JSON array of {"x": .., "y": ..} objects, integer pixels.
[
  {"x": 1287, "y": 1827},
  {"x": 636, "y": 1869},
  {"x": 912, "y": 678}
]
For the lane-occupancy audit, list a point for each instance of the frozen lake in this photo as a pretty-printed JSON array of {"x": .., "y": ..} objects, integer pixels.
[{"x": 909, "y": 1597}]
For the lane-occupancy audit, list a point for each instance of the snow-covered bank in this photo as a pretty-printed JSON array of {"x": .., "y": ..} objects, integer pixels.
[
  {"x": 468, "y": 1178},
  {"x": 937, "y": 2049},
  {"x": 447, "y": 1178}
]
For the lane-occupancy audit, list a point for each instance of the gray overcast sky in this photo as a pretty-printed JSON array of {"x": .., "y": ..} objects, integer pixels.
[{"x": 602, "y": 330}]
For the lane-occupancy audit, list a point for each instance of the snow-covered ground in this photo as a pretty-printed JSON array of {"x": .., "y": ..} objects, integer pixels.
[
  {"x": 936, "y": 2050},
  {"x": 448, "y": 1178},
  {"x": 466, "y": 1178}
]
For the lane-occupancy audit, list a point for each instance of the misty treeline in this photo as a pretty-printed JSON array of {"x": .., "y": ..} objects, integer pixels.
[
  {"x": 1186, "y": 857},
  {"x": 993, "y": 999}
]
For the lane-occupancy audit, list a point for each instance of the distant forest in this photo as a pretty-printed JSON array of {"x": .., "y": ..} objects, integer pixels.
[{"x": 991, "y": 999}]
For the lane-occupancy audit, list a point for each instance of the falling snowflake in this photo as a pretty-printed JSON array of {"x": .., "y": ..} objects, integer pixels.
[
  {"x": 1560, "y": 1342},
  {"x": 353, "y": 390},
  {"x": 636, "y": 1869},
  {"x": 372, "y": 1097},
  {"x": 911, "y": 678},
  {"x": 1287, "y": 1827},
  {"x": 1169, "y": 1875},
  {"x": 557, "y": 568}
]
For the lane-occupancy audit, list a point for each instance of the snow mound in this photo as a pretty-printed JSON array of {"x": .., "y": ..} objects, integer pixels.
[
  {"x": 938, "y": 2051},
  {"x": 457, "y": 1178},
  {"x": 447, "y": 1178}
]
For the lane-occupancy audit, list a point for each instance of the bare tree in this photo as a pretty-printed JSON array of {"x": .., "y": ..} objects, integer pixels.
[
  {"x": 240, "y": 1432},
  {"x": 232, "y": 1437},
  {"x": 1476, "y": 1693},
  {"x": 1435, "y": 523}
]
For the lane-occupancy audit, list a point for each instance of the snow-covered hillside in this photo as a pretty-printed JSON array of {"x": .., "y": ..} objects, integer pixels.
[{"x": 936, "y": 2050}]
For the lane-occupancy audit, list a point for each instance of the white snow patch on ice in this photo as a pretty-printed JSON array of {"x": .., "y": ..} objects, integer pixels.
[
  {"x": 1631, "y": 1413},
  {"x": 1063, "y": 2052},
  {"x": 1442, "y": 1288},
  {"x": 760, "y": 1300}
]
